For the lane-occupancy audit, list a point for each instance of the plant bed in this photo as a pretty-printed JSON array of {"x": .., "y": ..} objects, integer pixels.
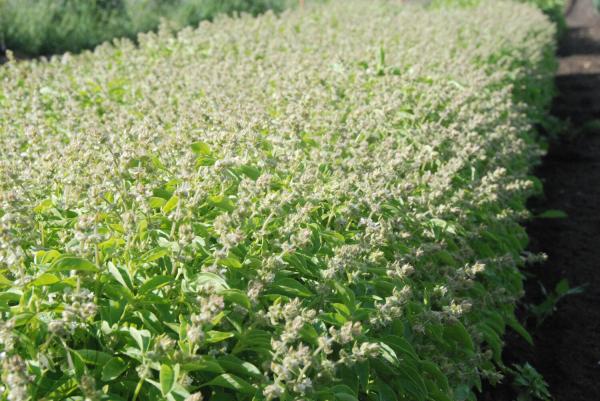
[{"x": 319, "y": 206}]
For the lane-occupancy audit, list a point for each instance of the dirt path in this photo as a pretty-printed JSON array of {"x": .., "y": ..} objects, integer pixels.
[{"x": 567, "y": 345}]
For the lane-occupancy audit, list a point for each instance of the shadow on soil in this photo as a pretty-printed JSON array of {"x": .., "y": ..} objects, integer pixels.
[
  {"x": 567, "y": 344},
  {"x": 578, "y": 43}
]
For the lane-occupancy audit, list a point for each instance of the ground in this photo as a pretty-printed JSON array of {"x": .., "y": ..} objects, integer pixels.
[{"x": 567, "y": 345}]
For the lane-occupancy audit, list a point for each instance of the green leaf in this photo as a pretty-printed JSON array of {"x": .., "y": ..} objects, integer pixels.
[
  {"x": 67, "y": 263},
  {"x": 250, "y": 171},
  {"x": 218, "y": 336},
  {"x": 167, "y": 379},
  {"x": 402, "y": 347},
  {"x": 517, "y": 327},
  {"x": 232, "y": 382},
  {"x": 457, "y": 333},
  {"x": 462, "y": 392},
  {"x": 118, "y": 293},
  {"x": 238, "y": 366},
  {"x": 50, "y": 256},
  {"x": 93, "y": 357},
  {"x": 141, "y": 337},
  {"x": 4, "y": 281},
  {"x": 347, "y": 296},
  {"x": 436, "y": 394},
  {"x": 177, "y": 393},
  {"x": 21, "y": 319},
  {"x": 155, "y": 254},
  {"x": 10, "y": 295},
  {"x": 289, "y": 286},
  {"x": 388, "y": 354},
  {"x": 384, "y": 392},
  {"x": 117, "y": 274},
  {"x": 333, "y": 318},
  {"x": 222, "y": 202},
  {"x": 445, "y": 257},
  {"x": 309, "y": 334},
  {"x": 154, "y": 283},
  {"x": 409, "y": 380},
  {"x": 43, "y": 206},
  {"x": 205, "y": 161},
  {"x": 113, "y": 369},
  {"x": 45, "y": 279},
  {"x": 363, "y": 372},
  {"x": 345, "y": 397},
  {"x": 156, "y": 202},
  {"x": 231, "y": 261},
  {"x": 203, "y": 363},
  {"x": 412, "y": 381},
  {"x": 211, "y": 278},
  {"x": 342, "y": 389},
  {"x": 435, "y": 373},
  {"x": 493, "y": 340},
  {"x": 552, "y": 214},
  {"x": 78, "y": 364},
  {"x": 342, "y": 309},
  {"x": 171, "y": 204},
  {"x": 200, "y": 148},
  {"x": 443, "y": 225},
  {"x": 237, "y": 297},
  {"x": 256, "y": 340}
]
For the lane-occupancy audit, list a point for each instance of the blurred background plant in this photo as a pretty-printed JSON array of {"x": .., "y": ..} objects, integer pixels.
[
  {"x": 554, "y": 9},
  {"x": 44, "y": 27}
]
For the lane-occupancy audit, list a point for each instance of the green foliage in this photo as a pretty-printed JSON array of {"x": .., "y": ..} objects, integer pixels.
[
  {"x": 46, "y": 27},
  {"x": 554, "y": 9},
  {"x": 552, "y": 214},
  {"x": 545, "y": 309},
  {"x": 591, "y": 127},
  {"x": 529, "y": 384},
  {"x": 322, "y": 206}
]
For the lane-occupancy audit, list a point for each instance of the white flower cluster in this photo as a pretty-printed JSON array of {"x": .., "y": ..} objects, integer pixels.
[{"x": 299, "y": 195}]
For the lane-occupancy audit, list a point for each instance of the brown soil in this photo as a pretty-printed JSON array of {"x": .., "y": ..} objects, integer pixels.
[{"x": 567, "y": 344}]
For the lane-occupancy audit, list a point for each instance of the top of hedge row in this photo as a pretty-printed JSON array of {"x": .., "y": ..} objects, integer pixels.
[{"x": 317, "y": 206}]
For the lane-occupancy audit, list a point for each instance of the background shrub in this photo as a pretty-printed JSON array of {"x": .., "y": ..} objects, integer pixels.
[{"x": 34, "y": 27}]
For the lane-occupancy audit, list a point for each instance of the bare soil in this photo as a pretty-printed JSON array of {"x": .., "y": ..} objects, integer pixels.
[{"x": 567, "y": 344}]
